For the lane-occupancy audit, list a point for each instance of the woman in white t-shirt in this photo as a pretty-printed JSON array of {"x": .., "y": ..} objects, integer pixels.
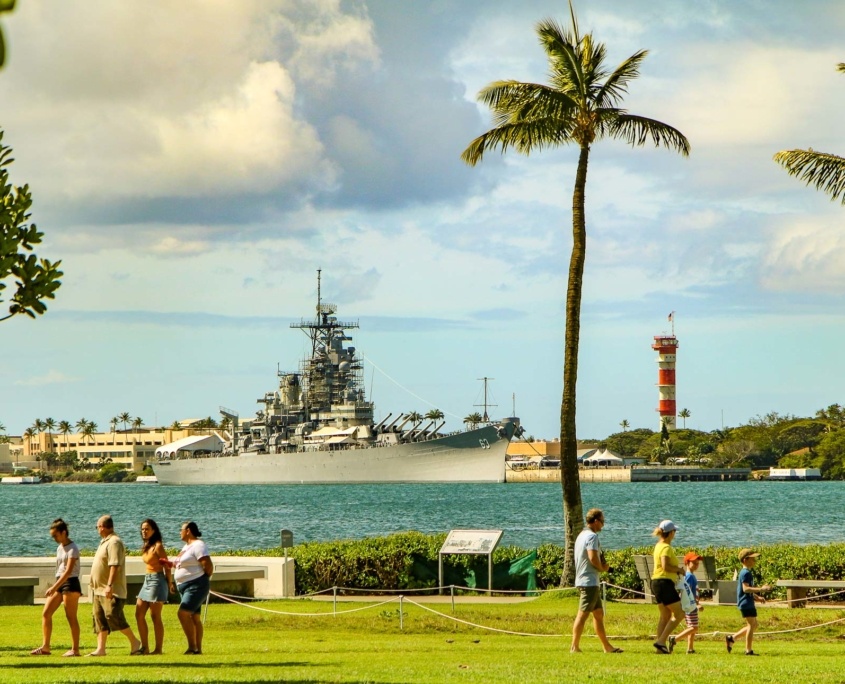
[
  {"x": 66, "y": 589},
  {"x": 192, "y": 579}
]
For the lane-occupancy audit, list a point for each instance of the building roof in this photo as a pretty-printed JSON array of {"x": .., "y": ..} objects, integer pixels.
[{"x": 211, "y": 442}]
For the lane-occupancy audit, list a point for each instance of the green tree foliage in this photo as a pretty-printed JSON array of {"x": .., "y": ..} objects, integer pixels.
[
  {"x": 113, "y": 472},
  {"x": 5, "y": 6},
  {"x": 33, "y": 280},
  {"x": 825, "y": 171},
  {"x": 628, "y": 443}
]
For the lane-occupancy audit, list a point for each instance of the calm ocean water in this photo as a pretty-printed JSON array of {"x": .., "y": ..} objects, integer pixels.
[{"x": 241, "y": 517}]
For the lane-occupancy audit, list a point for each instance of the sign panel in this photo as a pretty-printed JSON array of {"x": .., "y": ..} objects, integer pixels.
[
  {"x": 471, "y": 541},
  {"x": 287, "y": 539}
]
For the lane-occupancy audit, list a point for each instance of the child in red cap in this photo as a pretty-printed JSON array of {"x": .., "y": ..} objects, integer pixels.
[{"x": 691, "y": 561}]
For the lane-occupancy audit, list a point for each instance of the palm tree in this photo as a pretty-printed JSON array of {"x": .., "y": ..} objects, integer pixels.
[
  {"x": 113, "y": 422},
  {"x": 29, "y": 433},
  {"x": 89, "y": 429},
  {"x": 473, "y": 419},
  {"x": 825, "y": 171},
  {"x": 136, "y": 425},
  {"x": 415, "y": 417},
  {"x": 50, "y": 425},
  {"x": 225, "y": 423},
  {"x": 684, "y": 413},
  {"x": 435, "y": 414},
  {"x": 176, "y": 425},
  {"x": 65, "y": 428},
  {"x": 624, "y": 425},
  {"x": 124, "y": 418},
  {"x": 580, "y": 106}
]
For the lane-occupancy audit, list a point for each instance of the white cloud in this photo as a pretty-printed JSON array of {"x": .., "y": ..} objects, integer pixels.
[
  {"x": 806, "y": 255},
  {"x": 52, "y": 377},
  {"x": 124, "y": 100}
]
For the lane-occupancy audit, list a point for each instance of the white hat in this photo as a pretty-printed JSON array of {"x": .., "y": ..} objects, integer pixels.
[{"x": 667, "y": 526}]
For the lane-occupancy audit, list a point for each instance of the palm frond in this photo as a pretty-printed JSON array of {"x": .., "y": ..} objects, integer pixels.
[
  {"x": 514, "y": 101},
  {"x": 525, "y": 137},
  {"x": 825, "y": 171},
  {"x": 564, "y": 58},
  {"x": 616, "y": 85},
  {"x": 637, "y": 130}
]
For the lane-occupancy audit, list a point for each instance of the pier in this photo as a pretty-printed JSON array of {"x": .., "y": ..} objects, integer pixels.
[{"x": 634, "y": 474}]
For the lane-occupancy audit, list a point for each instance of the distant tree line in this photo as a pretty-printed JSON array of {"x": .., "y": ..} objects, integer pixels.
[{"x": 774, "y": 439}]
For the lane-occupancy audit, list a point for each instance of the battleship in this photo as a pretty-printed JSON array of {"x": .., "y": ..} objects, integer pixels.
[{"x": 317, "y": 427}]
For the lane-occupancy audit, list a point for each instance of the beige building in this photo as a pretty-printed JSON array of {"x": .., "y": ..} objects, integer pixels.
[{"x": 132, "y": 449}]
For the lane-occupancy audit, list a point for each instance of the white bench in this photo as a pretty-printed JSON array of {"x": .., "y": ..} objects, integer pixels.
[{"x": 796, "y": 590}]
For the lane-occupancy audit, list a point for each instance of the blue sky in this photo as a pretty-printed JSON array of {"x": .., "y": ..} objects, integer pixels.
[{"x": 194, "y": 164}]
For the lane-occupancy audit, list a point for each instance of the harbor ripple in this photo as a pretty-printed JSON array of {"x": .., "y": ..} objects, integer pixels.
[{"x": 250, "y": 517}]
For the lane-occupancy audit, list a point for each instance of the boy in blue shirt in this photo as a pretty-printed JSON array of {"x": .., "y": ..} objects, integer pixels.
[
  {"x": 745, "y": 591},
  {"x": 691, "y": 561}
]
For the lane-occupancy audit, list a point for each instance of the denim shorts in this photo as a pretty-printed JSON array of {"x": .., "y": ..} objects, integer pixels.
[
  {"x": 194, "y": 594},
  {"x": 154, "y": 589}
]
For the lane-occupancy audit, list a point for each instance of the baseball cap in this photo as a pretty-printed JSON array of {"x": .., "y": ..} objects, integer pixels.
[
  {"x": 747, "y": 553},
  {"x": 692, "y": 556},
  {"x": 667, "y": 526}
]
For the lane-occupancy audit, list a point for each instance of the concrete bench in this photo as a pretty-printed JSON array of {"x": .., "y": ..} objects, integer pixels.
[
  {"x": 796, "y": 590},
  {"x": 234, "y": 580},
  {"x": 706, "y": 575},
  {"x": 17, "y": 591}
]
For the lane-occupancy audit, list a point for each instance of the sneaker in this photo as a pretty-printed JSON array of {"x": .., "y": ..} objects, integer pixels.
[
  {"x": 729, "y": 643},
  {"x": 751, "y": 653},
  {"x": 670, "y": 642}
]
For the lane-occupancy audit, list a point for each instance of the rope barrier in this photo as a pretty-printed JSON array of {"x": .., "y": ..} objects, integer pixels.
[
  {"x": 282, "y": 612},
  {"x": 473, "y": 624}
]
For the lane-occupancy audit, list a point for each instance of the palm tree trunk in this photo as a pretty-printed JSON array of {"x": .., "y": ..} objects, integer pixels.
[{"x": 573, "y": 512}]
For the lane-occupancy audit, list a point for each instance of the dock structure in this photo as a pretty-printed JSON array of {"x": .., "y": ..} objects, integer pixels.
[{"x": 635, "y": 474}]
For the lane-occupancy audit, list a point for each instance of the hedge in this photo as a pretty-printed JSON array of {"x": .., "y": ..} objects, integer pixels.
[{"x": 388, "y": 562}]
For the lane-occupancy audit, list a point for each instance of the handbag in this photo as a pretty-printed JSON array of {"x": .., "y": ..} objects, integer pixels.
[{"x": 688, "y": 604}]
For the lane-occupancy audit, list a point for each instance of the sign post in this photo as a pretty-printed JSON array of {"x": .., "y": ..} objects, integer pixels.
[
  {"x": 287, "y": 542},
  {"x": 470, "y": 542}
]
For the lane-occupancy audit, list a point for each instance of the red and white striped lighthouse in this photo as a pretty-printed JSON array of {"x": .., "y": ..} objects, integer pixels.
[{"x": 666, "y": 347}]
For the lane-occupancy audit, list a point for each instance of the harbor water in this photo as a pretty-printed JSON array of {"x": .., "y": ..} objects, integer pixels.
[{"x": 250, "y": 517}]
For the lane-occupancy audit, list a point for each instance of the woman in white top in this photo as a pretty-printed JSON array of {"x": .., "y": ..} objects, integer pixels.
[
  {"x": 192, "y": 579},
  {"x": 66, "y": 589}
]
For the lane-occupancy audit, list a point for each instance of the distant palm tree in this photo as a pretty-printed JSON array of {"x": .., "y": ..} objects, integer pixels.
[
  {"x": 684, "y": 413},
  {"x": 50, "y": 425},
  {"x": 136, "y": 425},
  {"x": 176, "y": 425},
  {"x": 473, "y": 419},
  {"x": 415, "y": 417},
  {"x": 29, "y": 433},
  {"x": 2, "y": 427},
  {"x": 225, "y": 423},
  {"x": 89, "y": 430},
  {"x": 624, "y": 425},
  {"x": 825, "y": 171},
  {"x": 124, "y": 418},
  {"x": 435, "y": 414},
  {"x": 38, "y": 425},
  {"x": 80, "y": 425},
  {"x": 65, "y": 428},
  {"x": 581, "y": 105},
  {"x": 113, "y": 422}
]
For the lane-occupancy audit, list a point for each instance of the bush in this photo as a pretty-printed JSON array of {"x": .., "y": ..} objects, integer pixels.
[{"x": 388, "y": 563}]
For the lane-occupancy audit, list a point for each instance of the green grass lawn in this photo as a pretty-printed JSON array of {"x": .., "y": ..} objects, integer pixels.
[{"x": 244, "y": 645}]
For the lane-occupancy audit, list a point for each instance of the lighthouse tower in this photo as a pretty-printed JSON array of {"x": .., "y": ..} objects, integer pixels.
[{"x": 666, "y": 347}]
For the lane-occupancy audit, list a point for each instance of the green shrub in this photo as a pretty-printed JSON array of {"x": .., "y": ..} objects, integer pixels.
[{"x": 389, "y": 563}]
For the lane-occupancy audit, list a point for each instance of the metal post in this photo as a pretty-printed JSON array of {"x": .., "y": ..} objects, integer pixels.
[
  {"x": 604, "y": 597},
  {"x": 285, "y": 576},
  {"x": 490, "y": 573},
  {"x": 207, "y": 598},
  {"x": 439, "y": 574},
  {"x": 334, "y": 601},
  {"x": 452, "y": 589},
  {"x": 401, "y": 618}
]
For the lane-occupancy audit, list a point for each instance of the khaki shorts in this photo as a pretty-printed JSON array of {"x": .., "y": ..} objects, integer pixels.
[
  {"x": 108, "y": 614},
  {"x": 590, "y": 599}
]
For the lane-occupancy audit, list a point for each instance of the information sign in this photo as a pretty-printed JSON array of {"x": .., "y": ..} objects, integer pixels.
[{"x": 470, "y": 542}]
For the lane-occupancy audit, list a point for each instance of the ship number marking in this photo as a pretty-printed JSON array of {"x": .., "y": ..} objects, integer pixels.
[{"x": 484, "y": 443}]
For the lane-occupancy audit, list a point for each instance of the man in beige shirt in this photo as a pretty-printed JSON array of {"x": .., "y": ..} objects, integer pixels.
[{"x": 108, "y": 587}]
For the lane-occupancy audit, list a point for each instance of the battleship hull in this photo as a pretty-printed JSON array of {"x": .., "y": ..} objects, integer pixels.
[{"x": 473, "y": 456}]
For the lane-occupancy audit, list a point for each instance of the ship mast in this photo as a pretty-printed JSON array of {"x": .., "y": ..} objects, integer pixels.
[{"x": 486, "y": 418}]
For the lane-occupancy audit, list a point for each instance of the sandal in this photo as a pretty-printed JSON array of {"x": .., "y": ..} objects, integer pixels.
[
  {"x": 139, "y": 651},
  {"x": 71, "y": 654},
  {"x": 661, "y": 648},
  {"x": 39, "y": 651},
  {"x": 671, "y": 643},
  {"x": 729, "y": 643},
  {"x": 616, "y": 650}
]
